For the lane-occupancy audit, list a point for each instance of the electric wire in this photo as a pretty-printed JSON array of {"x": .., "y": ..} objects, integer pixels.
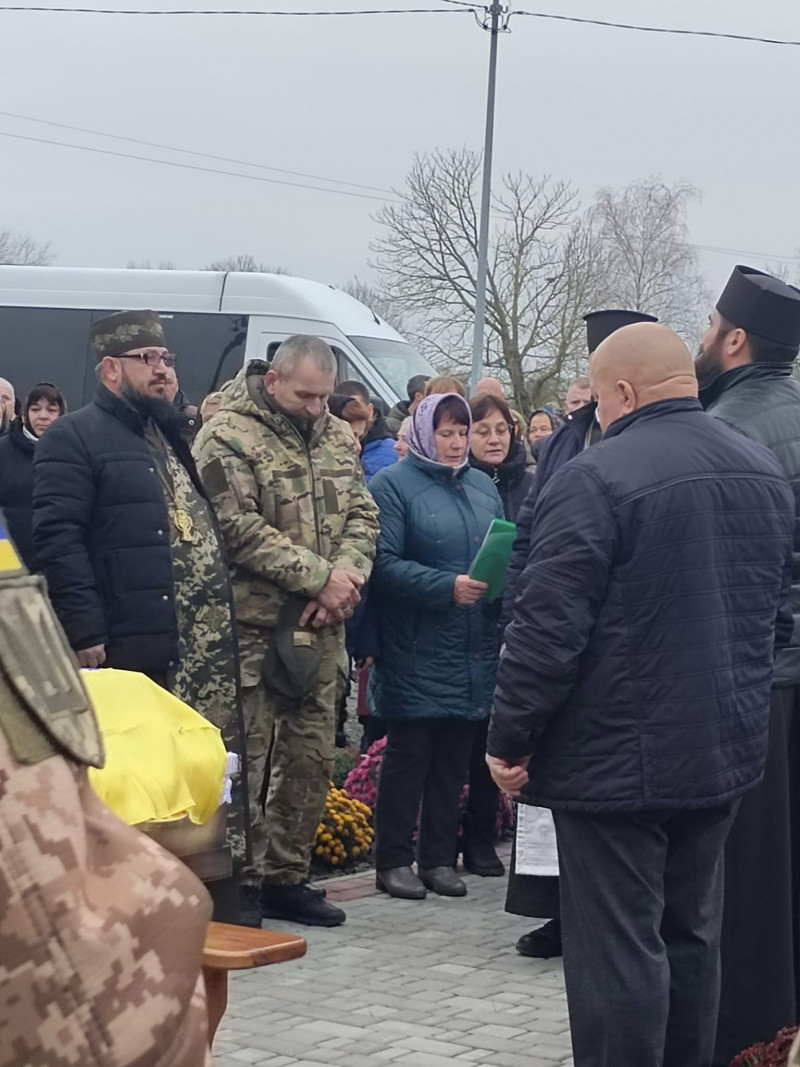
[
  {"x": 191, "y": 166},
  {"x": 192, "y": 152}
]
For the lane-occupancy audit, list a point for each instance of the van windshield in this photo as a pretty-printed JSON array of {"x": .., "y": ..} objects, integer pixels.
[{"x": 396, "y": 361}]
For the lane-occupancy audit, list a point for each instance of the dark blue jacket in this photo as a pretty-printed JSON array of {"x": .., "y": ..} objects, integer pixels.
[
  {"x": 569, "y": 440},
  {"x": 101, "y": 533},
  {"x": 437, "y": 659},
  {"x": 762, "y": 401},
  {"x": 16, "y": 490},
  {"x": 638, "y": 664}
]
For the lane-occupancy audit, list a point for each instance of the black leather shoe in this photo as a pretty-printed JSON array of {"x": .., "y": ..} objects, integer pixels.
[
  {"x": 400, "y": 882},
  {"x": 299, "y": 904},
  {"x": 442, "y": 880},
  {"x": 480, "y": 858},
  {"x": 542, "y": 943},
  {"x": 249, "y": 906}
]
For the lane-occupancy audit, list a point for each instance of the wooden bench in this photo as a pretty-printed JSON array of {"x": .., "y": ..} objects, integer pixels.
[{"x": 238, "y": 948}]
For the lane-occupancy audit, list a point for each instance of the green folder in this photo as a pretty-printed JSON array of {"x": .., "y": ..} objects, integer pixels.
[{"x": 494, "y": 555}]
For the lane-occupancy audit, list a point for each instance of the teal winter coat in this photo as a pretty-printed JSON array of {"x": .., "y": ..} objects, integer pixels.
[{"x": 437, "y": 659}]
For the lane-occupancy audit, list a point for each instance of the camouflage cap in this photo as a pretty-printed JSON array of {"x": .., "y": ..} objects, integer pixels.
[
  {"x": 124, "y": 330},
  {"x": 293, "y": 658}
]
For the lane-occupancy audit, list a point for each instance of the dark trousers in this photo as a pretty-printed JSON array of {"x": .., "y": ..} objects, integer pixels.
[
  {"x": 641, "y": 911},
  {"x": 425, "y": 760},
  {"x": 483, "y": 793}
]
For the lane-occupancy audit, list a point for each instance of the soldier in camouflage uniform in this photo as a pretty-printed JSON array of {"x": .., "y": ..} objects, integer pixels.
[
  {"x": 124, "y": 459},
  {"x": 298, "y": 521},
  {"x": 101, "y": 931}
]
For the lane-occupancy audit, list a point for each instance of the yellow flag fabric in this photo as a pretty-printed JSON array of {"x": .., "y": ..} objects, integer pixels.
[{"x": 163, "y": 760}]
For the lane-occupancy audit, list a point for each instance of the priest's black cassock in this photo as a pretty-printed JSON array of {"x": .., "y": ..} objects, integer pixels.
[{"x": 761, "y": 917}]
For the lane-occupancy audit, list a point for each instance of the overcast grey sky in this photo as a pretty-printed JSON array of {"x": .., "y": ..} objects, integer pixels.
[{"x": 353, "y": 98}]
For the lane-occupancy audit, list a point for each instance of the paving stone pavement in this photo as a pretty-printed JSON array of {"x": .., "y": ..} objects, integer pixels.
[{"x": 407, "y": 984}]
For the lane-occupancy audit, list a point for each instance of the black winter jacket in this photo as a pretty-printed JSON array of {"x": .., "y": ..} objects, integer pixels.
[
  {"x": 762, "y": 401},
  {"x": 16, "y": 490},
  {"x": 568, "y": 441},
  {"x": 101, "y": 533},
  {"x": 512, "y": 478},
  {"x": 638, "y": 664}
]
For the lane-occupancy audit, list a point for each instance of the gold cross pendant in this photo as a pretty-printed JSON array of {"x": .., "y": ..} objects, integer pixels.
[{"x": 184, "y": 524}]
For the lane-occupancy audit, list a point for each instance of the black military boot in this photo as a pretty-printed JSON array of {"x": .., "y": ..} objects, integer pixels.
[{"x": 301, "y": 903}]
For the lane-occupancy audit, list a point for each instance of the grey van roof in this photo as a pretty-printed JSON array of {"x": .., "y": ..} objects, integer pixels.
[{"x": 235, "y": 293}]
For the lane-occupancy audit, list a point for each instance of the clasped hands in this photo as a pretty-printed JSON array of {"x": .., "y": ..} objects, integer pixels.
[{"x": 337, "y": 601}]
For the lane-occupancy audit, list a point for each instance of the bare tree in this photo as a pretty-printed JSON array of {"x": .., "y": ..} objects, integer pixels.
[
  {"x": 23, "y": 250},
  {"x": 427, "y": 259},
  {"x": 244, "y": 262},
  {"x": 378, "y": 302},
  {"x": 648, "y": 263}
]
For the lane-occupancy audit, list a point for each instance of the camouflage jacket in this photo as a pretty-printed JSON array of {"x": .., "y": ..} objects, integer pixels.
[
  {"x": 101, "y": 931},
  {"x": 290, "y": 510}
]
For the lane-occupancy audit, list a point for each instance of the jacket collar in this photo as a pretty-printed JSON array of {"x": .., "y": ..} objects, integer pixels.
[
  {"x": 580, "y": 421},
  {"x": 658, "y": 410},
  {"x": 19, "y": 438},
  {"x": 750, "y": 372},
  {"x": 440, "y": 472},
  {"x": 119, "y": 408},
  {"x": 172, "y": 427}
]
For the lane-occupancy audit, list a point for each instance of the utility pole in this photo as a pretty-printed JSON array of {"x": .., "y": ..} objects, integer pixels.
[{"x": 495, "y": 14}]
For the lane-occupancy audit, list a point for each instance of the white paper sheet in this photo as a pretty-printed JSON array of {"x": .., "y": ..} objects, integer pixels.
[{"x": 536, "y": 851}]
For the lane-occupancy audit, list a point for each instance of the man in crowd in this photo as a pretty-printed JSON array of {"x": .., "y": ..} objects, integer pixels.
[
  {"x": 633, "y": 692},
  {"x": 176, "y": 397},
  {"x": 579, "y": 394},
  {"x": 377, "y": 444},
  {"x": 537, "y": 895},
  {"x": 745, "y": 374},
  {"x": 300, "y": 529},
  {"x": 7, "y": 405},
  {"x": 404, "y": 408},
  {"x": 490, "y": 387},
  {"x": 128, "y": 541},
  {"x": 102, "y": 931}
]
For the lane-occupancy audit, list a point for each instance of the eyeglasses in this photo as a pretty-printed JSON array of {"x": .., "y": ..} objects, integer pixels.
[{"x": 151, "y": 357}]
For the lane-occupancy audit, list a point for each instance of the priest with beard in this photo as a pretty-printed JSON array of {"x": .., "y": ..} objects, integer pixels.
[
  {"x": 128, "y": 541},
  {"x": 744, "y": 369}
]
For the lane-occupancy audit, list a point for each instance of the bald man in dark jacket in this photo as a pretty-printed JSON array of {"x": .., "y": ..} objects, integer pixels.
[{"x": 633, "y": 693}]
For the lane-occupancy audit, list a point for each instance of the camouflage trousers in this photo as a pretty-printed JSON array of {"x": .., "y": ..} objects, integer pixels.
[{"x": 290, "y": 751}]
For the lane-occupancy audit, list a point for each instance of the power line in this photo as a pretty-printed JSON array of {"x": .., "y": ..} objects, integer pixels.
[
  {"x": 746, "y": 252},
  {"x": 455, "y": 8},
  {"x": 657, "y": 29},
  {"x": 243, "y": 11},
  {"x": 191, "y": 152},
  {"x": 190, "y": 166}
]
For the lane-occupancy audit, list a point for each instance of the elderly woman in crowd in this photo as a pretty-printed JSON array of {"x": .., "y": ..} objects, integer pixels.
[
  {"x": 401, "y": 444},
  {"x": 541, "y": 425},
  {"x": 43, "y": 405},
  {"x": 434, "y": 677}
]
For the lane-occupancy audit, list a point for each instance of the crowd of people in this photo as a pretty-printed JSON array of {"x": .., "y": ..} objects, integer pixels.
[{"x": 640, "y": 677}]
